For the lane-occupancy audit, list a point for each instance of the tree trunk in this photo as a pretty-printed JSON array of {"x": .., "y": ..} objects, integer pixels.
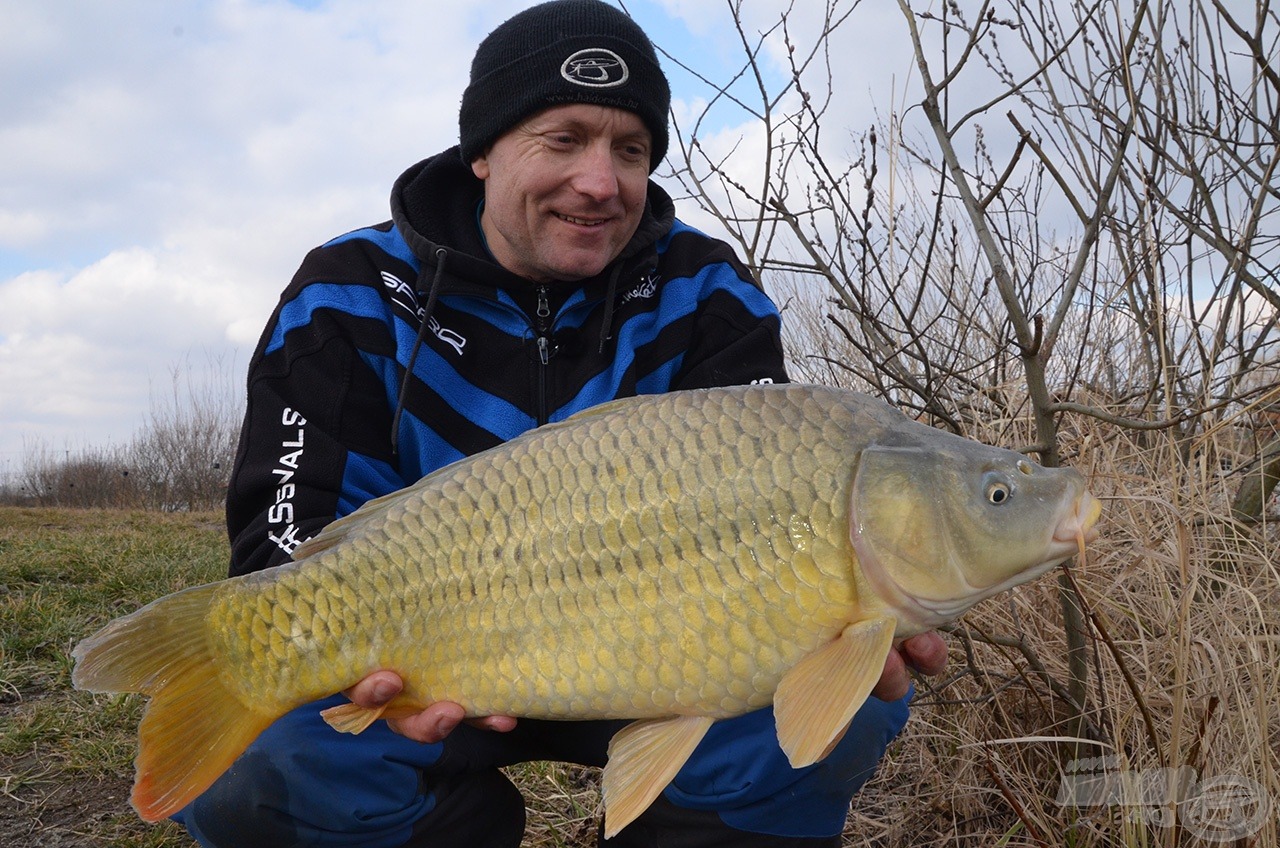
[{"x": 1258, "y": 484}]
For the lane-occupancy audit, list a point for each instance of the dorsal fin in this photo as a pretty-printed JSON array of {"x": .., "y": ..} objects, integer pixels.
[{"x": 337, "y": 530}]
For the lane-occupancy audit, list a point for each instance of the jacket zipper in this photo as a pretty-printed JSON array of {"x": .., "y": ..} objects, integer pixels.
[{"x": 543, "y": 341}]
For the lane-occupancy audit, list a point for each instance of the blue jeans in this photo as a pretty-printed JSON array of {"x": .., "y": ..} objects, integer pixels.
[{"x": 301, "y": 783}]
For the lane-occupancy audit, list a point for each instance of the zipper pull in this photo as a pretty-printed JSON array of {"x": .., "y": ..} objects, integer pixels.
[
  {"x": 544, "y": 306},
  {"x": 543, "y": 313}
]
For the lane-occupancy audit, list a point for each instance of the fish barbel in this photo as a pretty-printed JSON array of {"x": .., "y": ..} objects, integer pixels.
[{"x": 674, "y": 559}]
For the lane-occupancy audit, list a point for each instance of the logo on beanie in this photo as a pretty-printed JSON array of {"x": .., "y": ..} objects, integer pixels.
[{"x": 595, "y": 67}]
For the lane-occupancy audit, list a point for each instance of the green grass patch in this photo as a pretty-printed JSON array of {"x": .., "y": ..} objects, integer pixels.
[{"x": 66, "y": 757}]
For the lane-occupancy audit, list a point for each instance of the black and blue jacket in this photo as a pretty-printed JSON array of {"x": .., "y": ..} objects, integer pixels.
[{"x": 332, "y": 420}]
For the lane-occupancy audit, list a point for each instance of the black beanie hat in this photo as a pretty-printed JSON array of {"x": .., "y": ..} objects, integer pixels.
[{"x": 565, "y": 51}]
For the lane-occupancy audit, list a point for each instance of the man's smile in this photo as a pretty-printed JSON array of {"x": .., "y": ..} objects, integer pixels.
[{"x": 584, "y": 222}]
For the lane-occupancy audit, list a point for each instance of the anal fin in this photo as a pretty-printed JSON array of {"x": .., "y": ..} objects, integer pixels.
[
  {"x": 353, "y": 718},
  {"x": 643, "y": 758},
  {"x": 818, "y": 697}
]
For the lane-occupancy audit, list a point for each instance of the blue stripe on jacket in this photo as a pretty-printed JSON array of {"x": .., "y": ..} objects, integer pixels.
[{"x": 421, "y": 450}]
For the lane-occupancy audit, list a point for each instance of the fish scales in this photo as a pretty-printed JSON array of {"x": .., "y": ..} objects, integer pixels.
[
  {"x": 673, "y": 559},
  {"x": 623, "y": 544}
]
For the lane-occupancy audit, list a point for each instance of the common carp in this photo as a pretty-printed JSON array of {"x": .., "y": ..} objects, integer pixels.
[{"x": 674, "y": 559}]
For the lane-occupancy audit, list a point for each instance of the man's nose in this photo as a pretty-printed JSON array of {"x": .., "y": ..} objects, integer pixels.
[{"x": 597, "y": 175}]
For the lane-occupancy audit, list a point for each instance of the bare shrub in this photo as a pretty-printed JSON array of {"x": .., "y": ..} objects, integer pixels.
[
  {"x": 185, "y": 450},
  {"x": 83, "y": 477},
  {"x": 180, "y": 459},
  {"x": 1080, "y": 200}
]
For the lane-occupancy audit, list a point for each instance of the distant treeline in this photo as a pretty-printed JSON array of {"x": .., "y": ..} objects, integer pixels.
[{"x": 179, "y": 459}]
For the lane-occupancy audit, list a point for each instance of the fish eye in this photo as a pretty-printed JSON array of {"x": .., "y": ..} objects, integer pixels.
[
  {"x": 998, "y": 493},
  {"x": 1025, "y": 467}
]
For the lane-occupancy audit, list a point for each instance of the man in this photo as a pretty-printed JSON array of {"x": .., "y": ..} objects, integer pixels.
[{"x": 532, "y": 272}]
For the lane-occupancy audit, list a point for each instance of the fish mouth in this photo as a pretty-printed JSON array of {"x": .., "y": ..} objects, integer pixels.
[{"x": 1079, "y": 523}]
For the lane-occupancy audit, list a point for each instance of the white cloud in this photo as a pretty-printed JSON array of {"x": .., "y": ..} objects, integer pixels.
[{"x": 165, "y": 166}]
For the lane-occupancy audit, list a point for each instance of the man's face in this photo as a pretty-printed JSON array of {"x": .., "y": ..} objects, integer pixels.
[{"x": 564, "y": 191}]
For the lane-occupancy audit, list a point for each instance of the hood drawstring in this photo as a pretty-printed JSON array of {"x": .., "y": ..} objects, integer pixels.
[
  {"x": 606, "y": 327},
  {"x": 432, "y": 294}
]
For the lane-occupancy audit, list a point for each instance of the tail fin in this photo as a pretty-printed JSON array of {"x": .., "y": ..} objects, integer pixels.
[{"x": 194, "y": 728}]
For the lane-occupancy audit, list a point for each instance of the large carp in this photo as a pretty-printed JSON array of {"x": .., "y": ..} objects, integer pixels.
[{"x": 675, "y": 558}]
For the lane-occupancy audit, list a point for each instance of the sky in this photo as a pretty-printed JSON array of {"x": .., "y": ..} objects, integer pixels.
[{"x": 164, "y": 167}]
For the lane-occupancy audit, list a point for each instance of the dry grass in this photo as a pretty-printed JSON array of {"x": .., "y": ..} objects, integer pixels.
[{"x": 1188, "y": 687}]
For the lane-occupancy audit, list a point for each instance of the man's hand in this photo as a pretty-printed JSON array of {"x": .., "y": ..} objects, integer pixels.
[
  {"x": 926, "y": 653},
  {"x": 432, "y": 724}
]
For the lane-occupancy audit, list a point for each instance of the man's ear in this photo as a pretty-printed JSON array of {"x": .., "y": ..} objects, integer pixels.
[{"x": 480, "y": 166}]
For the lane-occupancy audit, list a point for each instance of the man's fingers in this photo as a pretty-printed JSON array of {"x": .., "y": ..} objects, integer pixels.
[
  {"x": 441, "y": 718},
  {"x": 376, "y": 689},
  {"x": 496, "y": 723},
  {"x": 894, "y": 680},
  {"x": 926, "y": 653},
  {"x": 431, "y": 725}
]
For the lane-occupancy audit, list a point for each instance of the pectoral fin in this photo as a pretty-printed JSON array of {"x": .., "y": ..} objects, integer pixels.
[
  {"x": 643, "y": 758},
  {"x": 817, "y": 698}
]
